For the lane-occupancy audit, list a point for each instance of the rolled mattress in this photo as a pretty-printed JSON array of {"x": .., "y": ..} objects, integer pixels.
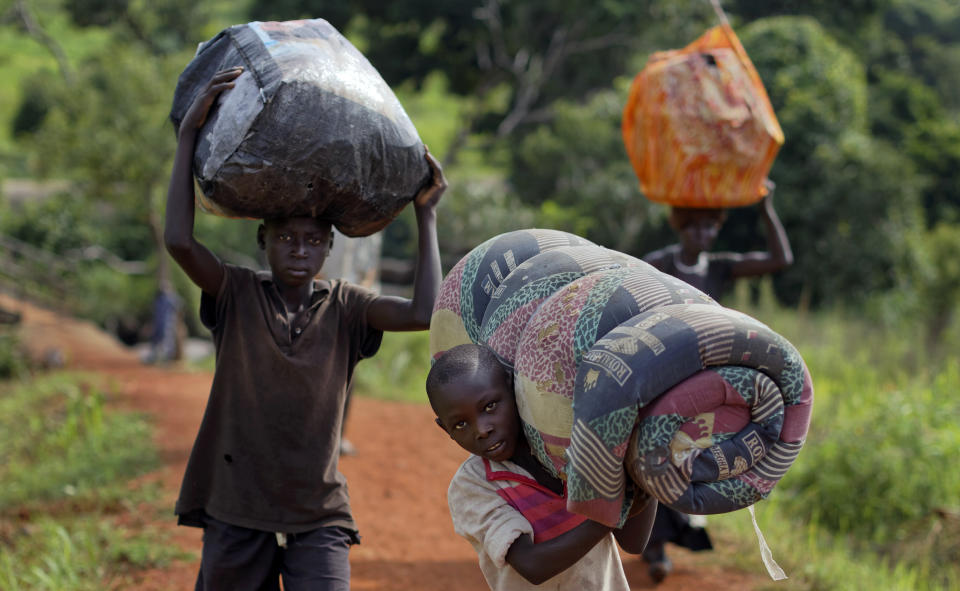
[{"x": 624, "y": 374}]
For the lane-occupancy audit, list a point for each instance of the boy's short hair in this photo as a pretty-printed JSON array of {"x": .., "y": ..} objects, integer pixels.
[
  {"x": 280, "y": 218},
  {"x": 459, "y": 361},
  {"x": 681, "y": 217}
]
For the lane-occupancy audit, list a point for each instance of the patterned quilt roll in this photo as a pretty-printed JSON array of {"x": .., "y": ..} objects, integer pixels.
[
  {"x": 626, "y": 374},
  {"x": 526, "y": 287},
  {"x": 467, "y": 288},
  {"x": 701, "y": 442},
  {"x": 563, "y": 328}
]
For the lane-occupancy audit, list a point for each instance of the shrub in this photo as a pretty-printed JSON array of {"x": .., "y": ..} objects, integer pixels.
[{"x": 13, "y": 359}]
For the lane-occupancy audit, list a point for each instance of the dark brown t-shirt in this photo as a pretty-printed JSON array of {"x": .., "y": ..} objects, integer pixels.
[{"x": 266, "y": 454}]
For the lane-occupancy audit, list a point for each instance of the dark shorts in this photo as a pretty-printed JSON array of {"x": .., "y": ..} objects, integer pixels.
[{"x": 240, "y": 559}]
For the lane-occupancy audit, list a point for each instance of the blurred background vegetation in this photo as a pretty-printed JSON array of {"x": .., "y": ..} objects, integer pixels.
[{"x": 522, "y": 101}]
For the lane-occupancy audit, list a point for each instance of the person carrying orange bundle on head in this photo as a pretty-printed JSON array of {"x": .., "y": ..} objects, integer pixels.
[
  {"x": 701, "y": 134},
  {"x": 691, "y": 258},
  {"x": 713, "y": 273}
]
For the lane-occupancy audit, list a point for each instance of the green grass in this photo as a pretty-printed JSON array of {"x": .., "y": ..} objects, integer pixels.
[
  {"x": 399, "y": 369},
  {"x": 79, "y": 554},
  {"x": 69, "y": 516},
  {"x": 59, "y": 436},
  {"x": 873, "y": 501}
]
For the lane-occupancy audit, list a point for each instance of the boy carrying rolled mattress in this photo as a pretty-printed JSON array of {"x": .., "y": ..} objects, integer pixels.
[{"x": 505, "y": 503}]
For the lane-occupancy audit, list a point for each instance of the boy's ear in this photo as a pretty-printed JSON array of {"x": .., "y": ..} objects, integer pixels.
[
  {"x": 439, "y": 424},
  {"x": 262, "y": 237}
]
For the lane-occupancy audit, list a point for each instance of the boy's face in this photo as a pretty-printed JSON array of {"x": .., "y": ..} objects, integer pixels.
[
  {"x": 296, "y": 247},
  {"x": 480, "y": 414},
  {"x": 699, "y": 234}
]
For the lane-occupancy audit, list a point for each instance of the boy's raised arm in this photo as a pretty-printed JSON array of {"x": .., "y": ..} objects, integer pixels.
[
  {"x": 778, "y": 254},
  {"x": 394, "y": 313},
  {"x": 201, "y": 265}
]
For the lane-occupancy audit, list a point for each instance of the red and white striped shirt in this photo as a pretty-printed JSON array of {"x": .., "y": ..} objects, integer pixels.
[{"x": 494, "y": 503}]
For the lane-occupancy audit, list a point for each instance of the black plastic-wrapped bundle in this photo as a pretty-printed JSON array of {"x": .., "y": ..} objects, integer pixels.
[{"x": 310, "y": 128}]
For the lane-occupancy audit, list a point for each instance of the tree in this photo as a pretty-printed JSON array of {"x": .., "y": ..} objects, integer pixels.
[
  {"x": 930, "y": 280},
  {"x": 22, "y": 12},
  {"x": 111, "y": 131},
  {"x": 848, "y": 18},
  {"x": 107, "y": 131},
  {"x": 512, "y": 59},
  {"x": 920, "y": 39},
  {"x": 162, "y": 27},
  {"x": 908, "y": 113},
  {"x": 575, "y": 170},
  {"x": 847, "y": 200}
]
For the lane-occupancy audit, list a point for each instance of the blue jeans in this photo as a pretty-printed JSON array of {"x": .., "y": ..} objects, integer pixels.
[{"x": 240, "y": 559}]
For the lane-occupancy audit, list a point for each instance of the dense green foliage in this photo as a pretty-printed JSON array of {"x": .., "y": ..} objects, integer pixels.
[
  {"x": 593, "y": 172},
  {"x": 845, "y": 194},
  {"x": 13, "y": 359},
  {"x": 523, "y": 100}
]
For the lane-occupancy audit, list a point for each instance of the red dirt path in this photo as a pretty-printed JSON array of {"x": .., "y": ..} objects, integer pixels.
[{"x": 398, "y": 481}]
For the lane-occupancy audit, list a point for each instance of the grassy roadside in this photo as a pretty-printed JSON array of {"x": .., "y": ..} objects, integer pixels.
[
  {"x": 70, "y": 517},
  {"x": 873, "y": 501}
]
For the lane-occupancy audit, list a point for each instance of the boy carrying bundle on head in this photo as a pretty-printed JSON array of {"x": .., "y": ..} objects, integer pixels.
[
  {"x": 505, "y": 503},
  {"x": 262, "y": 479}
]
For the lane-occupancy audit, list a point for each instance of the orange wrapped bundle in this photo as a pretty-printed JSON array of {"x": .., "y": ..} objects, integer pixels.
[{"x": 698, "y": 125}]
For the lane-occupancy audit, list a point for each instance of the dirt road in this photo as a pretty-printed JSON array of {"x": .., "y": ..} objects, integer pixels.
[{"x": 398, "y": 480}]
